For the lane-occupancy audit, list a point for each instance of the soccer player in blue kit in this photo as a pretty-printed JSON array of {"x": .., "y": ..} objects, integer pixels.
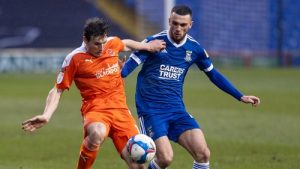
[{"x": 159, "y": 98}]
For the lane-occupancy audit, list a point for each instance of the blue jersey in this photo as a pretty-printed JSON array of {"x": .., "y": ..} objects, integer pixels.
[{"x": 160, "y": 81}]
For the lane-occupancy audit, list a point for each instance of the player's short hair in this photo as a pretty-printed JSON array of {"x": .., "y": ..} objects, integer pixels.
[
  {"x": 95, "y": 27},
  {"x": 182, "y": 10}
]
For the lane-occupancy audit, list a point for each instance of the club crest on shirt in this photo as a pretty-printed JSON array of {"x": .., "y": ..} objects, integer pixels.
[
  {"x": 188, "y": 56},
  {"x": 111, "y": 52}
]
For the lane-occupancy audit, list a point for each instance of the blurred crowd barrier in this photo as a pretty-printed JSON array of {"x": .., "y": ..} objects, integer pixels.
[
  {"x": 32, "y": 60},
  {"x": 49, "y": 60},
  {"x": 35, "y": 60}
]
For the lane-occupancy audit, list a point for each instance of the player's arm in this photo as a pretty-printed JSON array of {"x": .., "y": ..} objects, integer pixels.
[
  {"x": 152, "y": 46},
  {"x": 128, "y": 67},
  {"x": 221, "y": 82},
  {"x": 135, "y": 59},
  {"x": 204, "y": 63},
  {"x": 39, "y": 121}
]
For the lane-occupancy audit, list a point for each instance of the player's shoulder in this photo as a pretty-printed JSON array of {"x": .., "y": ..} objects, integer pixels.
[
  {"x": 194, "y": 43},
  {"x": 195, "y": 46},
  {"x": 78, "y": 51},
  {"x": 113, "y": 41},
  {"x": 161, "y": 35},
  {"x": 75, "y": 54},
  {"x": 113, "y": 38}
]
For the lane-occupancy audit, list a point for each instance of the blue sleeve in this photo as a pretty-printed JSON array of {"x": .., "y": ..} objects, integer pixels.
[
  {"x": 129, "y": 66},
  {"x": 203, "y": 61},
  {"x": 134, "y": 60},
  {"x": 221, "y": 82}
]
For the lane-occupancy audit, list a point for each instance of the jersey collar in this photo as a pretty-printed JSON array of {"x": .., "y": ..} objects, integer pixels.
[{"x": 175, "y": 44}]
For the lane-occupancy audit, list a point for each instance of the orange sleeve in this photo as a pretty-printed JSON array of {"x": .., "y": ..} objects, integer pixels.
[
  {"x": 66, "y": 75},
  {"x": 118, "y": 44}
]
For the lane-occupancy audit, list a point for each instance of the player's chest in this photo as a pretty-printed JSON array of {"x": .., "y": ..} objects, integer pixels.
[
  {"x": 98, "y": 67},
  {"x": 176, "y": 56}
]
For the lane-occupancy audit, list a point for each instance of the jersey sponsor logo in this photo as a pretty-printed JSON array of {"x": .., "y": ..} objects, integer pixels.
[
  {"x": 188, "y": 55},
  {"x": 111, "y": 69},
  {"x": 60, "y": 77},
  {"x": 170, "y": 72}
]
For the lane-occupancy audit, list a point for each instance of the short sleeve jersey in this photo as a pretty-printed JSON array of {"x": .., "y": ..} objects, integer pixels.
[
  {"x": 160, "y": 81},
  {"x": 97, "y": 78}
]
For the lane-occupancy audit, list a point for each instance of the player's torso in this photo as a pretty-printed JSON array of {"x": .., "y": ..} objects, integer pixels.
[
  {"x": 97, "y": 74},
  {"x": 170, "y": 65},
  {"x": 160, "y": 82}
]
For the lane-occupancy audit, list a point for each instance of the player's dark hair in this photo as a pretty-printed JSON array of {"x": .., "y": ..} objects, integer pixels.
[
  {"x": 95, "y": 27},
  {"x": 182, "y": 10}
]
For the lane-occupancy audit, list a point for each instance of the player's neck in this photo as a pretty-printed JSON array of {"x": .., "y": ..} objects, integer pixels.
[{"x": 177, "y": 42}]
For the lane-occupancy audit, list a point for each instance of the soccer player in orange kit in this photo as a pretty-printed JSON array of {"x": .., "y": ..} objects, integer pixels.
[{"x": 95, "y": 69}]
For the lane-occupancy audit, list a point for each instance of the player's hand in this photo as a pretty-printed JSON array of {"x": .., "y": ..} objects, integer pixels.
[
  {"x": 255, "y": 101},
  {"x": 122, "y": 62},
  {"x": 34, "y": 123},
  {"x": 156, "y": 45}
]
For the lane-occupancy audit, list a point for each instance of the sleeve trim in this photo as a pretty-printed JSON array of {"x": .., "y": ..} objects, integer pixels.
[
  {"x": 136, "y": 59},
  {"x": 209, "y": 68}
]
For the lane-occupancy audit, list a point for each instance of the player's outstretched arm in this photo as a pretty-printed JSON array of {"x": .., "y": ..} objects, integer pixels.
[
  {"x": 255, "y": 101},
  {"x": 152, "y": 46},
  {"x": 40, "y": 120},
  {"x": 219, "y": 80}
]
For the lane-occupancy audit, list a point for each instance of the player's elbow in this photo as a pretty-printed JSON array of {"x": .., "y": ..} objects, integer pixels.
[{"x": 123, "y": 74}]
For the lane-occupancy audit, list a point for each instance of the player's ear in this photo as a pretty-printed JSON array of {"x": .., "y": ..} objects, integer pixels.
[{"x": 191, "y": 24}]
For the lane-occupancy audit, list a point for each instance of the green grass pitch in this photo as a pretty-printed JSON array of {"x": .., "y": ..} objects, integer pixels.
[{"x": 239, "y": 136}]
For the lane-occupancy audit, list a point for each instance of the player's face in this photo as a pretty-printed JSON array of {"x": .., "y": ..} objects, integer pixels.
[
  {"x": 179, "y": 26},
  {"x": 94, "y": 46}
]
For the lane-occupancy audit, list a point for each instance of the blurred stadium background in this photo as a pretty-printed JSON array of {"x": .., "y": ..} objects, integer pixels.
[{"x": 247, "y": 33}]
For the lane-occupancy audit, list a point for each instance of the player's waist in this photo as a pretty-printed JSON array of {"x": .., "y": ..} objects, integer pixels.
[
  {"x": 103, "y": 95},
  {"x": 159, "y": 103},
  {"x": 159, "y": 96},
  {"x": 97, "y": 103},
  {"x": 163, "y": 110}
]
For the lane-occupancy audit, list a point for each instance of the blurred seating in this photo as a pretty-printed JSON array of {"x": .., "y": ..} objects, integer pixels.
[{"x": 47, "y": 23}]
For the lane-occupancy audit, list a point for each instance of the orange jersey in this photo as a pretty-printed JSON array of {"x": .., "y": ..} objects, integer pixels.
[{"x": 97, "y": 78}]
